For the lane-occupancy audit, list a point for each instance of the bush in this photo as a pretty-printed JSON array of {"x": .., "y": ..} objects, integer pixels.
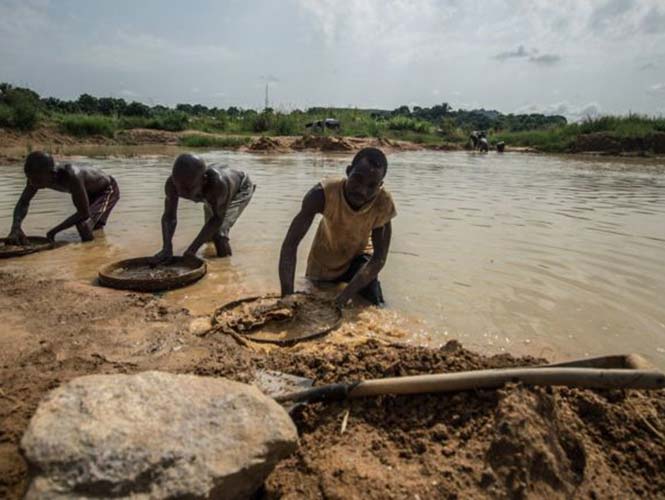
[
  {"x": 85, "y": 125},
  {"x": 6, "y": 116},
  {"x": 24, "y": 108},
  {"x": 127, "y": 122},
  {"x": 286, "y": 125},
  {"x": 213, "y": 141},
  {"x": 406, "y": 123},
  {"x": 374, "y": 129},
  {"x": 25, "y": 115},
  {"x": 173, "y": 121},
  {"x": 262, "y": 122}
]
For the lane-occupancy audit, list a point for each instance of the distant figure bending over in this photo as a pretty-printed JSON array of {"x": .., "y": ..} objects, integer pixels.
[
  {"x": 94, "y": 194},
  {"x": 225, "y": 193},
  {"x": 354, "y": 208}
]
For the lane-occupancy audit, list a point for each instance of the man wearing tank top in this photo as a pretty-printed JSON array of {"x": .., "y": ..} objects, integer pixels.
[{"x": 352, "y": 241}]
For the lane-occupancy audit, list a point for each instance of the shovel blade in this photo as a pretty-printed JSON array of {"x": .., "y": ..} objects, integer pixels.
[{"x": 273, "y": 383}]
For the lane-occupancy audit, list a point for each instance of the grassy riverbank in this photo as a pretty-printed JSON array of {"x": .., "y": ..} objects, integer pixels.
[
  {"x": 23, "y": 113},
  {"x": 608, "y": 133}
]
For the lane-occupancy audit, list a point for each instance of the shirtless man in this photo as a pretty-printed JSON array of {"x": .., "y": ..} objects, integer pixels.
[
  {"x": 225, "y": 193},
  {"x": 93, "y": 192},
  {"x": 355, "y": 209}
]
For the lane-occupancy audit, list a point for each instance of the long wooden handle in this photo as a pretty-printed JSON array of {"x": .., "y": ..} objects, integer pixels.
[
  {"x": 628, "y": 361},
  {"x": 486, "y": 379}
]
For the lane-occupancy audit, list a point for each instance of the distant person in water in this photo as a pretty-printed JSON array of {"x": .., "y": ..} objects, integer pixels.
[
  {"x": 225, "y": 193},
  {"x": 94, "y": 194},
  {"x": 355, "y": 209}
]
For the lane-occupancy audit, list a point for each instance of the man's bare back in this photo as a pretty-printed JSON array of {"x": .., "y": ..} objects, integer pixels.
[
  {"x": 225, "y": 192},
  {"x": 85, "y": 184}
]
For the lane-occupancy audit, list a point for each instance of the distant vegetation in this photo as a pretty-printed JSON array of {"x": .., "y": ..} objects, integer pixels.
[
  {"x": 635, "y": 129},
  {"x": 24, "y": 109},
  {"x": 214, "y": 141}
]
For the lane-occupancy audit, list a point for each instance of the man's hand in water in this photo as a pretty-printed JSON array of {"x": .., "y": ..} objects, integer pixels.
[
  {"x": 162, "y": 257},
  {"x": 17, "y": 237}
]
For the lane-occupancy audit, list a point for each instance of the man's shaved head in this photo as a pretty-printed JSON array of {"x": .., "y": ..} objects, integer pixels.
[
  {"x": 188, "y": 166},
  {"x": 38, "y": 162},
  {"x": 188, "y": 176},
  {"x": 39, "y": 169}
]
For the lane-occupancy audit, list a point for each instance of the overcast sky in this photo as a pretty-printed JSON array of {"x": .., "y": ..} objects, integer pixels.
[{"x": 566, "y": 56}]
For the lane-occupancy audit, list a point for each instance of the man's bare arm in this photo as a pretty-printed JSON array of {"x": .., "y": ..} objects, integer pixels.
[
  {"x": 169, "y": 222},
  {"x": 313, "y": 203},
  {"x": 16, "y": 235},
  {"x": 381, "y": 243},
  {"x": 81, "y": 202},
  {"x": 212, "y": 225}
]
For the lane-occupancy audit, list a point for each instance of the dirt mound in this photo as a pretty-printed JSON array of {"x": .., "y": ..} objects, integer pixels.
[
  {"x": 270, "y": 144},
  {"x": 322, "y": 143},
  {"x": 514, "y": 443},
  {"x": 147, "y": 136}
]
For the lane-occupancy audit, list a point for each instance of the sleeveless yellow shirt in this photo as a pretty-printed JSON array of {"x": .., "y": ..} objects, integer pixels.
[{"x": 344, "y": 233}]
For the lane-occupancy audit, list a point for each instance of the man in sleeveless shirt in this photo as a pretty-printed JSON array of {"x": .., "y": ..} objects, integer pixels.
[
  {"x": 225, "y": 193},
  {"x": 355, "y": 209}
]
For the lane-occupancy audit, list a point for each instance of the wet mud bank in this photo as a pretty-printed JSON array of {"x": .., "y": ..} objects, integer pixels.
[{"x": 512, "y": 442}]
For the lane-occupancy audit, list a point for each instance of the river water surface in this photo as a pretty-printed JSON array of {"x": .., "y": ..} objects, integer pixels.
[{"x": 535, "y": 254}]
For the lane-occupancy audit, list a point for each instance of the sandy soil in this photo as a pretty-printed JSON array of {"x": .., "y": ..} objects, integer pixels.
[
  {"x": 14, "y": 144},
  {"x": 515, "y": 442}
]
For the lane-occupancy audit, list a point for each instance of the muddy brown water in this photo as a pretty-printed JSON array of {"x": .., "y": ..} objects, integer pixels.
[{"x": 543, "y": 255}]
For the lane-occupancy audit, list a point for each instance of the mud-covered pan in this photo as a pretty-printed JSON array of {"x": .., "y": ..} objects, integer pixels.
[
  {"x": 36, "y": 244},
  {"x": 256, "y": 337},
  {"x": 142, "y": 276}
]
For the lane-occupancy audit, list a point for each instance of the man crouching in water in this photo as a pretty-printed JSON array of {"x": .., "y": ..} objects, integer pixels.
[
  {"x": 94, "y": 194},
  {"x": 225, "y": 193},
  {"x": 353, "y": 208}
]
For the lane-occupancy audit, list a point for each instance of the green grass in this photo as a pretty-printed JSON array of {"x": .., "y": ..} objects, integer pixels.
[
  {"x": 412, "y": 124},
  {"x": 556, "y": 140},
  {"x": 213, "y": 141},
  {"x": 86, "y": 125},
  {"x": 561, "y": 139}
]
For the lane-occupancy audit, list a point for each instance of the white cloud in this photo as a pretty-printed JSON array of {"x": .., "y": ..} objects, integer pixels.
[
  {"x": 657, "y": 88},
  {"x": 339, "y": 52}
]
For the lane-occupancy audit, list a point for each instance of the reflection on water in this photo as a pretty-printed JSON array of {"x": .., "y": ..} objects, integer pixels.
[{"x": 527, "y": 253}]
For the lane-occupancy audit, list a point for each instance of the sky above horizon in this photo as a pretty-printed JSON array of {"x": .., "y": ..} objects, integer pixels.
[{"x": 570, "y": 57}]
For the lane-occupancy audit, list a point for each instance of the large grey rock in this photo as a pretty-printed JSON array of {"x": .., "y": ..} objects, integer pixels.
[{"x": 155, "y": 435}]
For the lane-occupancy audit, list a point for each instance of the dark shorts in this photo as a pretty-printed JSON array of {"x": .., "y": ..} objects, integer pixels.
[
  {"x": 102, "y": 204},
  {"x": 371, "y": 292}
]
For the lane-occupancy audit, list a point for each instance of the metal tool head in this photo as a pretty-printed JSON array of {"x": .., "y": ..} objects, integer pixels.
[{"x": 273, "y": 383}]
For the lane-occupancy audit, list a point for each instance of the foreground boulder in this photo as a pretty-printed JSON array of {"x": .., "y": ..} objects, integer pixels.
[{"x": 155, "y": 435}]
